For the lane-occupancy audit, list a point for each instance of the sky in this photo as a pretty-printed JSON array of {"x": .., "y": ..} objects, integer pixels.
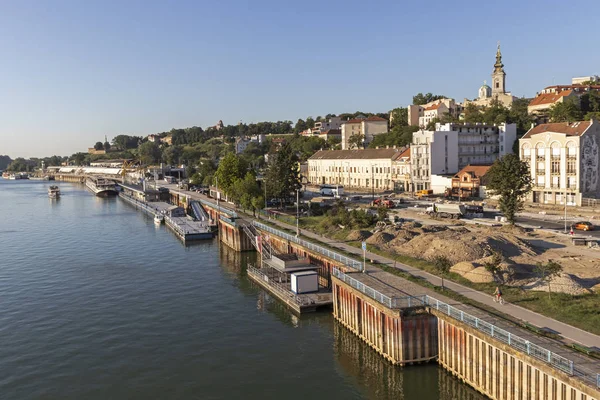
[{"x": 72, "y": 72}]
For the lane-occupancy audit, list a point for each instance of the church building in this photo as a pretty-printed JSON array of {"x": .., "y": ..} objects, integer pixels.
[{"x": 498, "y": 89}]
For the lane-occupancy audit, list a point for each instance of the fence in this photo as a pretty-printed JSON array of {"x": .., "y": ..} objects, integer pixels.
[
  {"x": 140, "y": 204},
  {"x": 390, "y": 302},
  {"x": 556, "y": 361},
  {"x": 278, "y": 287},
  {"x": 356, "y": 265}
]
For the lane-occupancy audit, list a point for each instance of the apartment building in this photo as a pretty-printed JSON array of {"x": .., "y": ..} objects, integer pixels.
[
  {"x": 368, "y": 127},
  {"x": 452, "y": 147},
  {"x": 373, "y": 169},
  {"x": 564, "y": 161},
  {"x": 421, "y": 115}
]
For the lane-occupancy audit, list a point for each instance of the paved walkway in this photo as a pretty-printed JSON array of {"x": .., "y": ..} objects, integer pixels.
[{"x": 567, "y": 331}]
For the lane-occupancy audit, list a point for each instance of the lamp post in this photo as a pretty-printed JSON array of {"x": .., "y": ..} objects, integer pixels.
[
  {"x": 566, "y": 207},
  {"x": 297, "y": 212}
]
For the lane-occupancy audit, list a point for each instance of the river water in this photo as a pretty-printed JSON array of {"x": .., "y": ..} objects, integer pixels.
[{"x": 98, "y": 303}]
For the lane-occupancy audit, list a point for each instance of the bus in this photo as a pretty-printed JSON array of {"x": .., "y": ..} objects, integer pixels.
[{"x": 332, "y": 190}]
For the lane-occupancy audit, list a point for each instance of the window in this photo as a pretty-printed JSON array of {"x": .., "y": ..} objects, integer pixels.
[
  {"x": 571, "y": 166},
  {"x": 497, "y": 85},
  {"x": 555, "y": 166}
]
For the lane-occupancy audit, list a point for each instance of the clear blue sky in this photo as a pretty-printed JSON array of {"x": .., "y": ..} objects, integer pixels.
[{"x": 74, "y": 71}]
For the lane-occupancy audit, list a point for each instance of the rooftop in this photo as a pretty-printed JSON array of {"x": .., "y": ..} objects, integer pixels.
[
  {"x": 475, "y": 170},
  {"x": 549, "y": 98},
  {"x": 567, "y": 128},
  {"x": 362, "y": 154}
]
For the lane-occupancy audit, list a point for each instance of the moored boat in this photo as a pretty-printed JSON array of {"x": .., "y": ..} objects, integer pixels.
[
  {"x": 158, "y": 219},
  {"x": 54, "y": 192},
  {"x": 101, "y": 187}
]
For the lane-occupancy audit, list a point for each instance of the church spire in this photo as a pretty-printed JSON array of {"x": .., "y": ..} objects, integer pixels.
[{"x": 498, "y": 66}]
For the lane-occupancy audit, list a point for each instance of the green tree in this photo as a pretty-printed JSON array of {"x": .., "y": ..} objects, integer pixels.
[
  {"x": 98, "y": 146},
  {"x": 149, "y": 152},
  {"x": 245, "y": 190},
  {"x": 79, "y": 158},
  {"x": 231, "y": 168},
  {"x": 399, "y": 116},
  {"x": 172, "y": 154},
  {"x": 300, "y": 126},
  {"x": 283, "y": 173},
  {"x": 356, "y": 141},
  {"x": 473, "y": 113},
  {"x": 4, "y": 162},
  {"x": 431, "y": 125},
  {"x": 519, "y": 115},
  {"x": 493, "y": 265},
  {"x": 420, "y": 98},
  {"x": 106, "y": 146},
  {"x": 567, "y": 111},
  {"x": 548, "y": 271},
  {"x": 510, "y": 179}
]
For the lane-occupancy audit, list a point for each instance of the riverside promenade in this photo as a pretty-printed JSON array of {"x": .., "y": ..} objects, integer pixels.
[{"x": 567, "y": 331}]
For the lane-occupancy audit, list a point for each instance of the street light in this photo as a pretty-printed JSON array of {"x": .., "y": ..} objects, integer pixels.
[{"x": 297, "y": 212}]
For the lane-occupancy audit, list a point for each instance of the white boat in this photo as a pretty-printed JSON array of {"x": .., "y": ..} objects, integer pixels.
[
  {"x": 101, "y": 187},
  {"x": 14, "y": 176},
  {"x": 158, "y": 219},
  {"x": 53, "y": 192},
  {"x": 39, "y": 178}
]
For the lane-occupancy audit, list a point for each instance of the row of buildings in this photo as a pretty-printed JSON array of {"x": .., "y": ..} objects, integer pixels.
[
  {"x": 364, "y": 128},
  {"x": 563, "y": 160}
]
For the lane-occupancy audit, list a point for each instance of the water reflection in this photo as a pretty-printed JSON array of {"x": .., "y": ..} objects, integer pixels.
[{"x": 381, "y": 380}]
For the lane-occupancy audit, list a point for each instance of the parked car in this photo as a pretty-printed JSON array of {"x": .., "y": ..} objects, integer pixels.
[
  {"x": 387, "y": 203},
  {"x": 583, "y": 226}
]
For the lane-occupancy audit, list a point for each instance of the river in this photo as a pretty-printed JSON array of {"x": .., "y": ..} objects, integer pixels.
[{"x": 99, "y": 303}]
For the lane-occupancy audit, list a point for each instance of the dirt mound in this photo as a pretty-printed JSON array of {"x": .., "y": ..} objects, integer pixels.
[
  {"x": 564, "y": 283},
  {"x": 596, "y": 288},
  {"x": 455, "y": 246},
  {"x": 463, "y": 267},
  {"x": 479, "y": 275},
  {"x": 433, "y": 228},
  {"x": 358, "y": 235},
  {"x": 380, "y": 238}
]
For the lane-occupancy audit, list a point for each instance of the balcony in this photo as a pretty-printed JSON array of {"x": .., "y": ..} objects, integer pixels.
[{"x": 540, "y": 172}]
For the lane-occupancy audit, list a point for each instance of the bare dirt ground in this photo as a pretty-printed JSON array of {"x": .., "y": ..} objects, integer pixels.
[{"x": 470, "y": 247}]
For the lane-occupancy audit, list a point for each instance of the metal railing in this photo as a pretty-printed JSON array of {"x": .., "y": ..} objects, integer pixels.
[
  {"x": 171, "y": 224},
  {"x": 278, "y": 287},
  {"x": 230, "y": 213},
  {"x": 140, "y": 204},
  {"x": 356, "y": 265},
  {"x": 391, "y": 302},
  {"x": 516, "y": 342}
]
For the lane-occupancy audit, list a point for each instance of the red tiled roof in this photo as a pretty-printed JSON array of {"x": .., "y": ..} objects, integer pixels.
[
  {"x": 353, "y": 121},
  {"x": 434, "y": 107},
  {"x": 568, "y": 128},
  {"x": 405, "y": 153},
  {"x": 477, "y": 171},
  {"x": 576, "y": 86},
  {"x": 375, "y": 118},
  {"x": 549, "y": 98}
]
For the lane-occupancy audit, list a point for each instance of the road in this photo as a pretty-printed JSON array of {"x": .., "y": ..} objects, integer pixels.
[{"x": 556, "y": 225}]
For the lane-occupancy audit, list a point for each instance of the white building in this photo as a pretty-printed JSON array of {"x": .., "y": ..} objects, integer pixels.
[
  {"x": 367, "y": 127},
  {"x": 327, "y": 124},
  {"x": 373, "y": 169},
  {"x": 564, "y": 160},
  {"x": 452, "y": 146},
  {"x": 581, "y": 79},
  {"x": 421, "y": 115},
  {"x": 241, "y": 144}
]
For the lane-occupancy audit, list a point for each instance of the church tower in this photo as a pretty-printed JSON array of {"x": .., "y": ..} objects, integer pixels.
[{"x": 498, "y": 76}]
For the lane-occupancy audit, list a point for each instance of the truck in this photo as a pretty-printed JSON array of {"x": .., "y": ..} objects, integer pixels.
[
  {"x": 424, "y": 193},
  {"x": 452, "y": 211}
]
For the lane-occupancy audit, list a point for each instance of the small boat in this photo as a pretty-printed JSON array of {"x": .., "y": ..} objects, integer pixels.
[
  {"x": 53, "y": 192},
  {"x": 158, "y": 219}
]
